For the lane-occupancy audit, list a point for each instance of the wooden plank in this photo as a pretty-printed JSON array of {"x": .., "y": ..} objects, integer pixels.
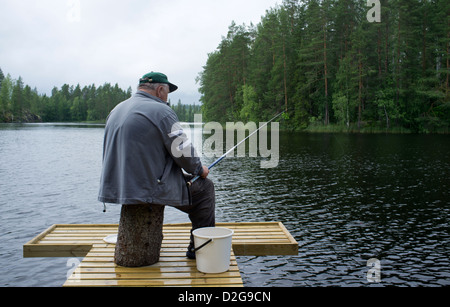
[
  {"x": 149, "y": 281},
  {"x": 189, "y": 274},
  {"x": 56, "y": 250},
  {"x": 151, "y": 269},
  {"x": 265, "y": 250},
  {"x": 210, "y": 282}
]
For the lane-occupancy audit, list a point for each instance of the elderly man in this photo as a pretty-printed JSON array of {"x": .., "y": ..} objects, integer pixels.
[{"x": 145, "y": 151}]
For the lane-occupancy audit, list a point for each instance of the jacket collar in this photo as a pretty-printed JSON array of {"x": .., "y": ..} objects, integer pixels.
[{"x": 145, "y": 94}]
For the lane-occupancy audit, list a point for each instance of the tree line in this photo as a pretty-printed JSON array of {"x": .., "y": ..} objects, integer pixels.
[
  {"x": 20, "y": 103},
  {"x": 324, "y": 62},
  {"x": 185, "y": 112}
]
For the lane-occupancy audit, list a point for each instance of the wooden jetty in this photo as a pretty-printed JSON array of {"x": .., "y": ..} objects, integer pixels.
[{"x": 174, "y": 270}]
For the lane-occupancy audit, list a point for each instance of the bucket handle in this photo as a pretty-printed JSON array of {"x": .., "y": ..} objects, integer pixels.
[{"x": 201, "y": 246}]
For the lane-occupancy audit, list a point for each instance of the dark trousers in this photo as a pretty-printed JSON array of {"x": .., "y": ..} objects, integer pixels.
[{"x": 202, "y": 211}]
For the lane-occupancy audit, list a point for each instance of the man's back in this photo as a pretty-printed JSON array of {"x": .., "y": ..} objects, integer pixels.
[{"x": 138, "y": 164}]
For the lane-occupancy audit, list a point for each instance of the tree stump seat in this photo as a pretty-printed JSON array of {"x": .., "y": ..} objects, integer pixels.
[{"x": 140, "y": 235}]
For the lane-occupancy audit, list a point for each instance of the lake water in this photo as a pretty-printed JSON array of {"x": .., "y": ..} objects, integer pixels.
[{"x": 345, "y": 198}]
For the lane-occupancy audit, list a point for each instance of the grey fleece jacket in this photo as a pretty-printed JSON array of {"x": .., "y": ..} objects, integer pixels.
[{"x": 144, "y": 152}]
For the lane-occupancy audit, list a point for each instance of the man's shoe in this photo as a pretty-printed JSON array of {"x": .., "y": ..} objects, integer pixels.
[{"x": 190, "y": 254}]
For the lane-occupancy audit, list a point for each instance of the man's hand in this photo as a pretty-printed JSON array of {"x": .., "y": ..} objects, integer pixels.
[{"x": 205, "y": 172}]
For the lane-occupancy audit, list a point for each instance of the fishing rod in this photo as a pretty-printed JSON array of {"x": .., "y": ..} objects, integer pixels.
[{"x": 232, "y": 149}]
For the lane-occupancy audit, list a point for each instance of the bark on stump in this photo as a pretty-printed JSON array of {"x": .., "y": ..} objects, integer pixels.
[{"x": 140, "y": 235}]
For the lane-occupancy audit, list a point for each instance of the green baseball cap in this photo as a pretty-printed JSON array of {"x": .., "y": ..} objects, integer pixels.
[{"x": 157, "y": 77}]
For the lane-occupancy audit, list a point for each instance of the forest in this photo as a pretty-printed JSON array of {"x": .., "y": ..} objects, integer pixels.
[
  {"x": 322, "y": 61},
  {"x": 331, "y": 69},
  {"x": 20, "y": 103}
]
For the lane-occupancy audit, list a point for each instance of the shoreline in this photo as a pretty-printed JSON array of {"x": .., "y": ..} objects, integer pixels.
[
  {"x": 313, "y": 128},
  {"x": 353, "y": 129}
]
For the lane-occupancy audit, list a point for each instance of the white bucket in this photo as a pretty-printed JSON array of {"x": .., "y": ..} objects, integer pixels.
[{"x": 213, "y": 249}]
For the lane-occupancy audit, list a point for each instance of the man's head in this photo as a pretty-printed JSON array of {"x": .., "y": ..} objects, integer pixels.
[{"x": 157, "y": 85}]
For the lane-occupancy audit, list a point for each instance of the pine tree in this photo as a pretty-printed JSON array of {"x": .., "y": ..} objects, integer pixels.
[
  {"x": 313, "y": 61},
  {"x": 264, "y": 75},
  {"x": 224, "y": 74},
  {"x": 2, "y": 76},
  {"x": 5, "y": 97},
  {"x": 17, "y": 100}
]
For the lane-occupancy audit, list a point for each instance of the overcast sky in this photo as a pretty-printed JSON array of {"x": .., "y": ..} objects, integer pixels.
[{"x": 54, "y": 42}]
